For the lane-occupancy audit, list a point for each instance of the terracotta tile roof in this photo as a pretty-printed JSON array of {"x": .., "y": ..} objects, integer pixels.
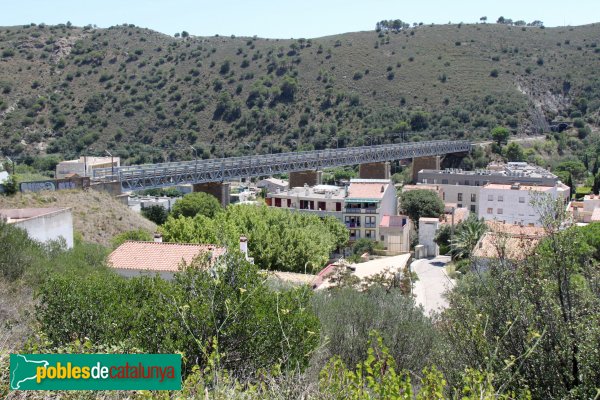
[
  {"x": 512, "y": 247},
  {"x": 512, "y": 229},
  {"x": 152, "y": 256},
  {"x": 360, "y": 190},
  {"x": 393, "y": 221},
  {"x": 460, "y": 214}
]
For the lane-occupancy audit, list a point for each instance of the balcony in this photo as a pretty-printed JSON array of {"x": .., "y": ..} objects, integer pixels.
[
  {"x": 369, "y": 210},
  {"x": 320, "y": 213},
  {"x": 370, "y": 225},
  {"x": 352, "y": 224}
]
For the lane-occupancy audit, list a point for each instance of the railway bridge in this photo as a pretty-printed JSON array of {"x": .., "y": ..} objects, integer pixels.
[{"x": 212, "y": 175}]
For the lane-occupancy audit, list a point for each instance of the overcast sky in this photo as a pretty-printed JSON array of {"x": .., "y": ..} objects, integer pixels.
[{"x": 286, "y": 18}]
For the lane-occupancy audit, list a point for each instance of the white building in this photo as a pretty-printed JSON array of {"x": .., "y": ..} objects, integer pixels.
[
  {"x": 510, "y": 204},
  {"x": 85, "y": 166},
  {"x": 322, "y": 200},
  {"x": 273, "y": 185},
  {"x": 42, "y": 224},
  {"x": 366, "y": 203},
  {"x": 464, "y": 187}
]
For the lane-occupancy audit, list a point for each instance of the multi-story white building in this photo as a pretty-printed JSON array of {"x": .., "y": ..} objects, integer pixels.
[
  {"x": 511, "y": 204},
  {"x": 367, "y": 201},
  {"x": 366, "y": 206},
  {"x": 322, "y": 200},
  {"x": 464, "y": 187}
]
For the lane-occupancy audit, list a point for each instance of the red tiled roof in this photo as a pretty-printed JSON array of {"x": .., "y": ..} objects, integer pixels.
[
  {"x": 512, "y": 229},
  {"x": 360, "y": 190},
  {"x": 393, "y": 220},
  {"x": 152, "y": 256}
]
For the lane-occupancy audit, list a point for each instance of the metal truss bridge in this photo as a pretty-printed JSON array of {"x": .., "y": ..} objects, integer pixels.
[{"x": 147, "y": 176}]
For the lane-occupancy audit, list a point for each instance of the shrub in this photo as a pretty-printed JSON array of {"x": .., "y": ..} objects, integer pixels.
[{"x": 198, "y": 203}]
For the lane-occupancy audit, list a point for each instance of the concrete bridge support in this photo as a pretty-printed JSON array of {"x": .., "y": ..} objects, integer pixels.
[
  {"x": 218, "y": 189},
  {"x": 378, "y": 170},
  {"x": 310, "y": 178},
  {"x": 419, "y": 163}
]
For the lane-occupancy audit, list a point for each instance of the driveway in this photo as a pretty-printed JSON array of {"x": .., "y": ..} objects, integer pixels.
[{"x": 433, "y": 282}]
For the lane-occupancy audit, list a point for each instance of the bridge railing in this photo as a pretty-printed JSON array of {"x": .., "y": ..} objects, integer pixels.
[{"x": 218, "y": 169}]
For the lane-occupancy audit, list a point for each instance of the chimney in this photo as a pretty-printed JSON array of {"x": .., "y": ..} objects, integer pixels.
[
  {"x": 244, "y": 246},
  {"x": 157, "y": 238}
]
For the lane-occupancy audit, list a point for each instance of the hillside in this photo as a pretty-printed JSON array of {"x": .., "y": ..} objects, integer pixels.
[
  {"x": 96, "y": 215},
  {"x": 148, "y": 97}
]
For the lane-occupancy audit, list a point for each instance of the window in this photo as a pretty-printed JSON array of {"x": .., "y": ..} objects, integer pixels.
[
  {"x": 444, "y": 181},
  {"x": 321, "y": 205},
  {"x": 289, "y": 203},
  {"x": 277, "y": 202},
  {"x": 354, "y": 234},
  {"x": 370, "y": 234},
  {"x": 472, "y": 208},
  {"x": 473, "y": 197},
  {"x": 490, "y": 210},
  {"x": 521, "y": 199},
  {"x": 466, "y": 182},
  {"x": 338, "y": 206},
  {"x": 382, "y": 238},
  {"x": 459, "y": 197},
  {"x": 476, "y": 183},
  {"x": 352, "y": 222},
  {"x": 443, "y": 195},
  {"x": 500, "y": 211},
  {"x": 490, "y": 197},
  {"x": 459, "y": 205},
  {"x": 424, "y": 180},
  {"x": 369, "y": 222},
  {"x": 500, "y": 197}
]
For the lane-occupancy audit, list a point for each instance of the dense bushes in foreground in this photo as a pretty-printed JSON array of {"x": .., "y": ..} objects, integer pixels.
[{"x": 227, "y": 305}]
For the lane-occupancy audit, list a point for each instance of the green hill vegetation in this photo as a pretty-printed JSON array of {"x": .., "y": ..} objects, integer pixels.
[
  {"x": 147, "y": 97},
  {"x": 97, "y": 216}
]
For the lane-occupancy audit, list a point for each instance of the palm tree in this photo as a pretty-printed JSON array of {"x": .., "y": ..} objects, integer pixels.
[{"x": 466, "y": 237}]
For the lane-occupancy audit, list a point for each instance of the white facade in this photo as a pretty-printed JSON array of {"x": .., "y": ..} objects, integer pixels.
[
  {"x": 368, "y": 200},
  {"x": 85, "y": 165},
  {"x": 428, "y": 228},
  {"x": 273, "y": 185},
  {"x": 321, "y": 200},
  {"x": 463, "y": 196},
  {"x": 43, "y": 224},
  {"x": 510, "y": 204}
]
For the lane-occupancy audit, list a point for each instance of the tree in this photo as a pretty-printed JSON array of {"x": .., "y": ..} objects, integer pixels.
[
  {"x": 500, "y": 135},
  {"x": 574, "y": 167},
  {"x": 596, "y": 185},
  {"x": 198, "y": 203},
  {"x": 529, "y": 322},
  {"x": 135, "y": 235},
  {"x": 419, "y": 121},
  {"x": 156, "y": 213},
  {"x": 514, "y": 152},
  {"x": 277, "y": 239},
  {"x": 184, "y": 34},
  {"x": 501, "y": 20},
  {"x": 10, "y": 185},
  {"x": 421, "y": 203},
  {"x": 466, "y": 237},
  {"x": 570, "y": 184},
  {"x": 483, "y": 19}
]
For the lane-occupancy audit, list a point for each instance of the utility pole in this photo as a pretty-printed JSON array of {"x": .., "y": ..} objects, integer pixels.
[{"x": 112, "y": 163}]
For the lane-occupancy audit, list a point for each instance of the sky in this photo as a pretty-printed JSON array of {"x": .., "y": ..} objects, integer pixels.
[{"x": 287, "y": 18}]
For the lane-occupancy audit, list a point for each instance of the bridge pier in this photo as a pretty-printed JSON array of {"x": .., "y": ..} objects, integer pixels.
[
  {"x": 310, "y": 178},
  {"x": 419, "y": 163},
  {"x": 378, "y": 170},
  {"x": 218, "y": 189}
]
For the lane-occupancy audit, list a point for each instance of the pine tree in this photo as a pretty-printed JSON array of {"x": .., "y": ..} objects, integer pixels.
[
  {"x": 596, "y": 185},
  {"x": 570, "y": 184}
]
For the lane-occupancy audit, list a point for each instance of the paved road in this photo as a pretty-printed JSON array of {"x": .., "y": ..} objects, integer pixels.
[
  {"x": 514, "y": 139},
  {"x": 433, "y": 282}
]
